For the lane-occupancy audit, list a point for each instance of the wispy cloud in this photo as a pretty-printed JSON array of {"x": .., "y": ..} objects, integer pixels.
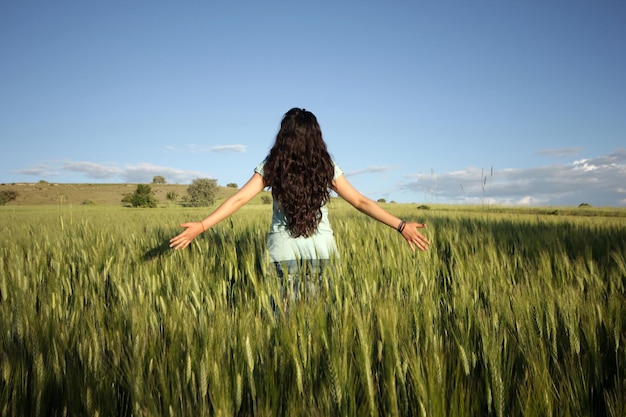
[
  {"x": 561, "y": 152},
  {"x": 598, "y": 181},
  {"x": 227, "y": 148},
  {"x": 202, "y": 148},
  {"x": 39, "y": 171},
  {"x": 370, "y": 170},
  {"x": 93, "y": 169},
  {"x": 132, "y": 173},
  {"x": 146, "y": 172}
]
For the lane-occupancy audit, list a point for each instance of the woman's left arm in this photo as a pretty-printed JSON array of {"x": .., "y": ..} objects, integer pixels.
[{"x": 368, "y": 206}]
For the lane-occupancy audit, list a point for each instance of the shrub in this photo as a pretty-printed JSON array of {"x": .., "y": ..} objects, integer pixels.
[
  {"x": 7, "y": 196},
  {"x": 143, "y": 197},
  {"x": 202, "y": 192}
]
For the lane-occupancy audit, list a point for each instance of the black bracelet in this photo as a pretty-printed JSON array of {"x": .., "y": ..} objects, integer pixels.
[{"x": 400, "y": 227}]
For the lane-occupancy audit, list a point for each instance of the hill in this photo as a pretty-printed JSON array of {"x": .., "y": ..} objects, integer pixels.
[{"x": 44, "y": 193}]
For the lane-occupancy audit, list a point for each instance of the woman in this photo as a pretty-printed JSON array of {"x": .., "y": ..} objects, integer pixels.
[{"x": 300, "y": 173}]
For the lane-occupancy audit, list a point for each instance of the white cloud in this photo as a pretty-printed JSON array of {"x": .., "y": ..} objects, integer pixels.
[
  {"x": 370, "y": 170},
  {"x": 561, "y": 152},
  {"x": 227, "y": 148},
  {"x": 39, "y": 171},
  {"x": 529, "y": 201},
  {"x": 142, "y": 173},
  {"x": 92, "y": 169},
  {"x": 597, "y": 181},
  {"x": 132, "y": 173},
  {"x": 194, "y": 149},
  {"x": 218, "y": 149}
]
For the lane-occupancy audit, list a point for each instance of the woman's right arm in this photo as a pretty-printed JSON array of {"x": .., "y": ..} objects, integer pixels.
[{"x": 233, "y": 203}]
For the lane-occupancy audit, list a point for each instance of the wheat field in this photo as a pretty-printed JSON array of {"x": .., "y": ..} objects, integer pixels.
[{"x": 507, "y": 314}]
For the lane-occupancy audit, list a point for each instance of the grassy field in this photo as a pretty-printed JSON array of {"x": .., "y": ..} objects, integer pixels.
[{"x": 510, "y": 313}]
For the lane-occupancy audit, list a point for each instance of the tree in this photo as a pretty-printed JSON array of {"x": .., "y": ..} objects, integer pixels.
[
  {"x": 202, "y": 192},
  {"x": 158, "y": 179},
  {"x": 143, "y": 197},
  {"x": 7, "y": 196},
  {"x": 232, "y": 185}
]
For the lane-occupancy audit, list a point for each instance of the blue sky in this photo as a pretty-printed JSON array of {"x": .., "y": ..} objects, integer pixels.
[{"x": 517, "y": 102}]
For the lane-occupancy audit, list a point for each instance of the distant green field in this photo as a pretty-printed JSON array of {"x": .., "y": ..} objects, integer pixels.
[{"x": 510, "y": 313}]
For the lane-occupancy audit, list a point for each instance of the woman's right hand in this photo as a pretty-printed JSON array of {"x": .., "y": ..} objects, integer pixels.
[{"x": 183, "y": 239}]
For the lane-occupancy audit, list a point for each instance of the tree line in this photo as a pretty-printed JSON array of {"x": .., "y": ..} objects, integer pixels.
[{"x": 200, "y": 193}]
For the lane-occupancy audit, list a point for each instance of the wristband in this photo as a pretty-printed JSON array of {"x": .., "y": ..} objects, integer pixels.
[{"x": 400, "y": 227}]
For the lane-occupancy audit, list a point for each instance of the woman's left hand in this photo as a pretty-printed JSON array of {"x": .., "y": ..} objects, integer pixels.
[{"x": 414, "y": 237}]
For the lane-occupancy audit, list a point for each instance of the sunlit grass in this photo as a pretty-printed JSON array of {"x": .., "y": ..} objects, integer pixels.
[{"x": 508, "y": 314}]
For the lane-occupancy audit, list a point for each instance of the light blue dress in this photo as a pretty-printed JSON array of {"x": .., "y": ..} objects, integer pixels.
[{"x": 283, "y": 247}]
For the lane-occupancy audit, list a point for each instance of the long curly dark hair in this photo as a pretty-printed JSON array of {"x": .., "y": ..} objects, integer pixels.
[{"x": 300, "y": 171}]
